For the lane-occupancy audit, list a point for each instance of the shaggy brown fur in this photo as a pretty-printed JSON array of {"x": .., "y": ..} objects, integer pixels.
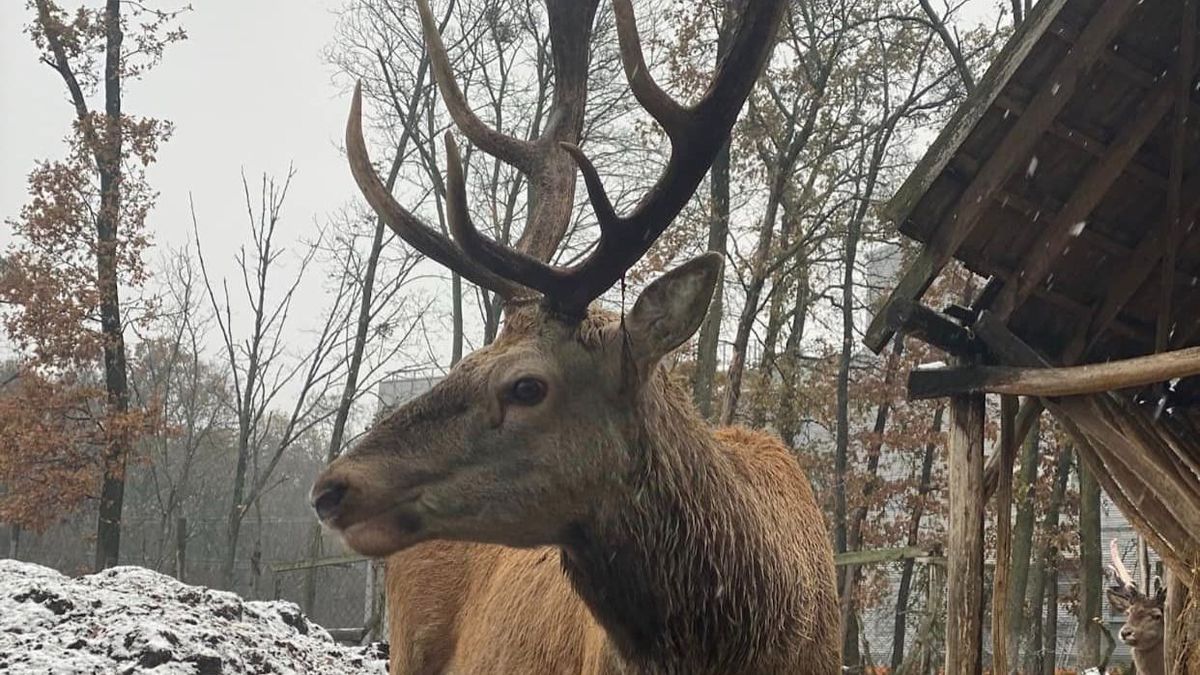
[{"x": 652, "y": 544}]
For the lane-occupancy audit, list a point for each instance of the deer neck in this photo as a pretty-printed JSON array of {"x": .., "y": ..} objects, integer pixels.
[
  {"x": 676, "y": 570},
  {"x": 1151, "y": 660}
]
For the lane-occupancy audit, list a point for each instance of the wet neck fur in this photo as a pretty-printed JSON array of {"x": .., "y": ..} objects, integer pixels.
[{"x": 678, "y": 571}]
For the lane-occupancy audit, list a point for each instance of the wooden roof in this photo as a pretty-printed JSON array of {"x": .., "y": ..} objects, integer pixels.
[{"x": 1058, "y": 177}]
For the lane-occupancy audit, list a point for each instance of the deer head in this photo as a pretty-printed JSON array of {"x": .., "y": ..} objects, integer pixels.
[
  {"x": 525, "y": 435},
  {"x": 1143, "y": 629}
]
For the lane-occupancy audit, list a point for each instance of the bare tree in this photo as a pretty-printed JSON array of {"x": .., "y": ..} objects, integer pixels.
[
  {"x": 170, "y": 369},
  {"x": 278, "y": 396}
]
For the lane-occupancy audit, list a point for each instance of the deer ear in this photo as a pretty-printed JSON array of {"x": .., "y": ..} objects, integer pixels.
[
  {"x": 671, "y": 308},
  {"x": 1118, "y": 599}
]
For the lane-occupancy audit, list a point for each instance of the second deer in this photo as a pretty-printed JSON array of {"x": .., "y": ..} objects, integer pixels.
[{"x": 1144, "y": 627}]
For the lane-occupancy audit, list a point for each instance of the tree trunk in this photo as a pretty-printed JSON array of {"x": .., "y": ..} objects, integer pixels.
[
  {"x": 1022, "y": 542},
  {"x": 749, "y": 313},
  {"x": 718, "y": 235},
  {"x": 456, "y": 334},
  {"x": 710, "y": 331},
  {"x": 116, "y": 451},
  {"x": 900, "y": 626},
  {"x": 1050, "y": 622},
  {"x": 786, "y": 417},
  {"x": 852, "y": 573},
  {"x": 1037, "y": 576},
  {"x": 181, "y": 549},
  {"x": 1091, "y": 577},
  {"x": 776, "y": 316},
  {"x": 13, "y": 548}
]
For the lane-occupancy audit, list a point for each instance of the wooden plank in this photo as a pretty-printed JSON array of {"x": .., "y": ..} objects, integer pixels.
[
  {"x": 964, "y": 550},
  {"x": 916, "y": 320},
  {"x": 1179, "y": 143},
  {"x": 1081, "y": 139},
  {"x": 883, "y": 555},
  {"x": 1141, "y": 263},
  {"x": 322, "y": 562},
  {"x": 1093, "y": 378},
  {"x": 1004, "y": 493},
  {"x": 1013, "y": 149},
  {"x": 1050, "y": 244}
]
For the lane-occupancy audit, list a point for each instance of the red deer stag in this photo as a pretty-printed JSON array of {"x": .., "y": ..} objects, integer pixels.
[
  {"x": 555, "y": 504},
  {"x": 1143, "y": 630}
]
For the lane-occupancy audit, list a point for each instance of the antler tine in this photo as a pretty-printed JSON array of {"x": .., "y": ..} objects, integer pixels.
[
  {"x": 697, "y": 134},
  {"x": 518, "y": 153},
  {"x": 506, "y": 262},
  {"x": 407, "y": 226},
  {"x": 1118, "y": 567},
  {"x": 657, "y": 102}
]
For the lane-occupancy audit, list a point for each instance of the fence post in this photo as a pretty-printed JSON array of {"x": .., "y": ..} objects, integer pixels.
[
  {"x": 375, "y": 604},
  {"x": 181, "y": 548}
]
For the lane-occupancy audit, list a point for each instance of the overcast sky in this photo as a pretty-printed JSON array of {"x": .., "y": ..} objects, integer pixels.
[{"x": 249, "y": 90}]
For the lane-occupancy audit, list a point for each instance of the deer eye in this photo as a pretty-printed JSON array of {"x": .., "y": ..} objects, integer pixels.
[{"x": 528, "y": 391}]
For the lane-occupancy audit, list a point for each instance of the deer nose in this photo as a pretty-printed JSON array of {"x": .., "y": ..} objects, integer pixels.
[{"x": 327, "y": 497}]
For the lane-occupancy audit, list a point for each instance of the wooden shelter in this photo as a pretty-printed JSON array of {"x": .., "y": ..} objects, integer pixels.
[{"x": 1070, "y": 179}]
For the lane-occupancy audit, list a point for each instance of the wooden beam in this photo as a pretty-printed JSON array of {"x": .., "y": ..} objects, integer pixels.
[
  {"x": 1141, "y": 263},
  {"x": 322, "y": 562},
  {"x": 916, "y": 320},
  {"x": 1004, "y": 493},
  {"x": 1018, "y": 143},
  {"x": 1070, "y": 381},
  {"x": 885, "y": 555},
  {"x": 1068, "y": 303},
  {"x": 1031, "y": 408},
  {"x": 1049, "y": 207},
  {"x": 964, "y": 550},
  {"x": 1086, "y": 142},
  {"x": 1116, "y": 60},
  {"x": 1047, "y": 248},
  {"x": 1179, "y": 143},
  {"x": 1168, "y": 509}
]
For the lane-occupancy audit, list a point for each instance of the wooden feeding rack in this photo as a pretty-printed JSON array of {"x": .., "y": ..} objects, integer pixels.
[{"x": 1070, "y": 179}]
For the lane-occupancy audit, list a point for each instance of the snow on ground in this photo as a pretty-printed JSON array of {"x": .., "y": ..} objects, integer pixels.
[{"x": 133, "y": 621}]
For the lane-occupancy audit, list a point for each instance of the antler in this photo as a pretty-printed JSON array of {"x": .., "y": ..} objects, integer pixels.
[
  {"x": 406, "y": 225},
  {"x": 1124, "y": 578},
  {"x": 696, "y": 134}
]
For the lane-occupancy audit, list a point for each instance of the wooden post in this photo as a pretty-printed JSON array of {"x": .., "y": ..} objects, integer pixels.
[
  {"x": 1175, "y": 633},
  {"x": 181, "y": 548},
  {"x": 375, "y": 604},
  {"x": 964, "y": 551},
  {"x": 1004, "y": 494}
]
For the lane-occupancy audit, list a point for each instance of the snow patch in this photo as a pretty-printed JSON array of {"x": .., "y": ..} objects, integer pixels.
[{"x": 135, "y": 621}]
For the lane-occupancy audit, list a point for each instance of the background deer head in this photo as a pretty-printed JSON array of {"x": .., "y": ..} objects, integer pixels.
[
  {"x": 525, "y": 435},
  {"x": 1143, "y": 630}
]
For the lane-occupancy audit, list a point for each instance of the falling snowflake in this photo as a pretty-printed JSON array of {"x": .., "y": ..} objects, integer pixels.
[{"x": 1032, "y": 169}]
